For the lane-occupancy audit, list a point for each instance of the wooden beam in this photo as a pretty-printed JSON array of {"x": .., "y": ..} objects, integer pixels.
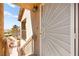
[
  {"x": 20, "y": 14},
  {"x": 1, "y": 29},
  {"x": 27, "y": 5}
]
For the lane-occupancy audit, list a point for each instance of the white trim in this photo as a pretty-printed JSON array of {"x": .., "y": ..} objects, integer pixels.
[
  {"x": 72, "y": 29},
  {"x": 76, "y": 29},
  {"x": 40, "y": 30}
]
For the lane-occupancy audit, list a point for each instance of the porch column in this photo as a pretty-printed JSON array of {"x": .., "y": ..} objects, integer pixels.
[
  {"x": 35, "y": 18},
  {"x": 1, "y": 28}
]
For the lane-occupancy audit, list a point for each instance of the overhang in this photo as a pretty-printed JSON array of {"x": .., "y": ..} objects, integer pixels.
[{"x": 24, "y": 6}]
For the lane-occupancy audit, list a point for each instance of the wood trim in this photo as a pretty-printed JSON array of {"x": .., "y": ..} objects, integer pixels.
[
  {"x": 20, "y": 14},
  {"x": 72, "y": 30}
]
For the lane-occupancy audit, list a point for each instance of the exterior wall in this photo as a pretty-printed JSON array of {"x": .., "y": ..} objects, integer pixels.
[
  {"x": 27, "y": 49},
  {"x": 1, "y": 28},
  {"x": 27, "y": 46},
  {"x": 35, "y": 22},
  {"x": 56, "y": 27}
]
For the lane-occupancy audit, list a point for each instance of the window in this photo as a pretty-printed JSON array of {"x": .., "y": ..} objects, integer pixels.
[{"x": 24, "y": 29}]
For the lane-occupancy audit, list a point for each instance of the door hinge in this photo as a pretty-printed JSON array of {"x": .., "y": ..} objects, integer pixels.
[{"x": 74, "y": 35}]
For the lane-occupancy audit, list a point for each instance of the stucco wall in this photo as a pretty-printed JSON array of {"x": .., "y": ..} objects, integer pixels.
[{"x": 35, "y": 17}]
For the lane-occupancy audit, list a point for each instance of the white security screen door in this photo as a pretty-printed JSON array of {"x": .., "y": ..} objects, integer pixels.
[{"x": 57, "y": 27}]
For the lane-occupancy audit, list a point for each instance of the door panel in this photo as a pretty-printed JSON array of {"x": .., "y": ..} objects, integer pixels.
[{"x": 56, "y": 28}]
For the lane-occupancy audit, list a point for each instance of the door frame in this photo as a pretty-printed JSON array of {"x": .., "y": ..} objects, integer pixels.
[
  {"x": 74, "y": 29},
  {"x": 77, "y": 28}
]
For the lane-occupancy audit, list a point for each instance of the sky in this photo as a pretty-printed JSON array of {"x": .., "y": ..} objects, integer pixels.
[{"x": 11, "y": 13}]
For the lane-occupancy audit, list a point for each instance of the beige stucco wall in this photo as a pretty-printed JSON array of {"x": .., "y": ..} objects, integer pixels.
[{"x": 35, "y": 17}]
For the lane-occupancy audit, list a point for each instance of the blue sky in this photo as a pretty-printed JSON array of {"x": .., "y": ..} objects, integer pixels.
[{"x": 11, "y": 12}]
